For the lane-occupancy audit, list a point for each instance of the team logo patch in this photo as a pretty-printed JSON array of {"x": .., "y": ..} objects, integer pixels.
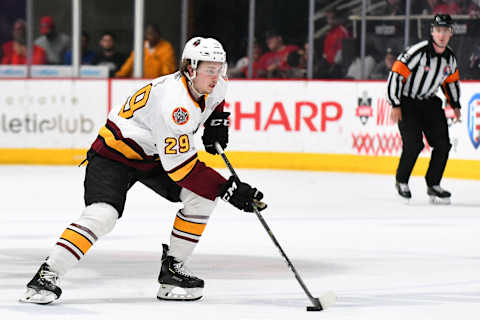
[
  {"x": 447, "y": 70},
  {"x": 364, "y": 110},
  {"x": 180, "y": 115},
  {"x": 474, "y": 120}
]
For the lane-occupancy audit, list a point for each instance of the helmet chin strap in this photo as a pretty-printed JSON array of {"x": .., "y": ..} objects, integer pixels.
[{"x": 195, "y": 92}]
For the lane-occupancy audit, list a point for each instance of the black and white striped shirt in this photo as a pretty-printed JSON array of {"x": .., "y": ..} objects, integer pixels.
[{"x": 420, "y": 71}]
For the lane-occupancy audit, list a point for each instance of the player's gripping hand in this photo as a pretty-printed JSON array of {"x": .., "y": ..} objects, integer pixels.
[
  {"x": 216, "y": 129},
  {"x": 242, "y": 196}
]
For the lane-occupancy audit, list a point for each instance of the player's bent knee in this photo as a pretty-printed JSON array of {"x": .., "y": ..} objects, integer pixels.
[
  {"x": 446, "y": 146},
  {"x": 100, "y": 218},
  {"x": 419, "y": 147},
  {"x": 195, "y": 204},
  {"x": 443, "y": 146}
]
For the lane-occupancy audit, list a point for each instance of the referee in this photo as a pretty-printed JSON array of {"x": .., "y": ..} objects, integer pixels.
[{"x": 412, "y": 86}]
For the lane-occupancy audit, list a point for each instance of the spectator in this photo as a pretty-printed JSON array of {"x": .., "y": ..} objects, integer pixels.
[
  {"x": 158, "y": 56},
  {"x": 241, "y": 67},
  {"x": 15, "y": 51},
  {"x": 476, "y": 4},
  {"x": 446, "y": 7},
  {"x": 473, "y": 71},
  {"x": 354, "y": 62},
  {"x": 88, "y": 56},
  {"x": 426, "y": 7},
  {"x": 391, "y": 8},
  {"x": 297, "y": 68},
  {"x": 273, "y": 64},
  {"x": 298, "y": 60},
  {"x": 332, "y": 45},
  {"x": 383, "y": 68},
  {"x": 108, "y": 56},
  {"x": 55, "y": 44},
  {"x": 468, "y": 7}
]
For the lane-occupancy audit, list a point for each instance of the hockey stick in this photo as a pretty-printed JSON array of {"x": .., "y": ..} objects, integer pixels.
[{"x": 319, "y": 304}]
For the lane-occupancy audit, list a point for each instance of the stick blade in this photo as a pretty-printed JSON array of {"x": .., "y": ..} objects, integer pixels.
[
  {"x": 328, "y": 299},
  {"x": 324, "y": 302}
]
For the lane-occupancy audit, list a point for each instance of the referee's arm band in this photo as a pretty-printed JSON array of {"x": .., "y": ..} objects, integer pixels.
[
  {"x": 400, "y": 68},
  {"x": 453, "y": 77}
]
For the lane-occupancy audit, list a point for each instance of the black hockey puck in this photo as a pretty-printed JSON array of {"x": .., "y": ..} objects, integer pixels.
[{"x": 314, "y": 308}]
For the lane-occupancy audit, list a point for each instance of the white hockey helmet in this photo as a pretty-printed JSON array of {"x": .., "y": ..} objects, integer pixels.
[{"x": 203, "y": 49}]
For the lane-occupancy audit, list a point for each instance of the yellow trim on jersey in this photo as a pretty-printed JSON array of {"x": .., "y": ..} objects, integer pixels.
[
  {"x": 189, "y": 227},
  {"x": 77, "y": 239},
  {"x": 118, "y": 145},
  {"x": 184, "y": 81},
  {"x": 182, "y": 172}
]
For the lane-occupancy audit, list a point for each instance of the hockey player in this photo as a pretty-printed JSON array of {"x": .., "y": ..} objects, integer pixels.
[{"x": 149, "y": 138}]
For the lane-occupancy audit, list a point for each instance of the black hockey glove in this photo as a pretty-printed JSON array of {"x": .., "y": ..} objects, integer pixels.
[
  {"x": 216, "y": 129},
  {"x": 242, "y": 196}
]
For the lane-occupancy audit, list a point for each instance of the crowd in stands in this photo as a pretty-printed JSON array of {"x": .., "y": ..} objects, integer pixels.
[
  {"x": 336, "y": 52},
  {"x": 54, "y": 48}
]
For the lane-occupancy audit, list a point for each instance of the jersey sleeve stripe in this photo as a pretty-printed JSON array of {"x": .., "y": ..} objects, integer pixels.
[
  {"x": 452, "y": 95},
  {"x": 400, "y": 68},
  {"x": 180, "y": 172}
]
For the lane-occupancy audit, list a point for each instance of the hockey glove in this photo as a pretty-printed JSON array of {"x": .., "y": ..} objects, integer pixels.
[
  {"x": 242, "y": 196},
  {"x": 216, "y": 129}
]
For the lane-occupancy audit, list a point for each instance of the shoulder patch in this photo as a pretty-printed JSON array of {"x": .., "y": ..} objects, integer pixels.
[
  {"x": 447, "y": 70},
  {"x": 180, "y": 115}
]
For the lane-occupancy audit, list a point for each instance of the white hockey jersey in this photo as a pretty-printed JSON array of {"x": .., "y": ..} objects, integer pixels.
[{"x": 156, "y": 124}]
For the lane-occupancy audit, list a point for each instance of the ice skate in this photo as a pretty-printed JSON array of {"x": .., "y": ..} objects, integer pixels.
[
  {"x": 176, "y": 282},
  {"x": 403, "y": 190},
  {"x": 42, "y": 289},
  {"x": 438, "y": 195}
]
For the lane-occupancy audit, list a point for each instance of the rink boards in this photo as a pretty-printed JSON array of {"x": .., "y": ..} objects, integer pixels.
[{"x": 303, "y": 125}]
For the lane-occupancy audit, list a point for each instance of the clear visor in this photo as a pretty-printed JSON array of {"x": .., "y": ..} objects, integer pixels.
[{"x": 213, "y": 69}]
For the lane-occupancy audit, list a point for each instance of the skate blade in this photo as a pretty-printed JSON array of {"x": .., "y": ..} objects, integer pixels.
[
  {"x": 403, "y": 199},
  {"x": 169, "y": 292},
  {"x": 439, "y": 201},
  {"x": 38, "y": 297}
]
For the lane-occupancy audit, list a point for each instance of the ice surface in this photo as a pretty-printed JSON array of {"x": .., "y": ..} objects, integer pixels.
[{"x": 344, "y": 232}]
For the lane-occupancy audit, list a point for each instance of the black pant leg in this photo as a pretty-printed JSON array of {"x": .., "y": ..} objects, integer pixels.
[
  {"x": 435, "y": 128},
  {"x": 107, "y": 181},
  {"x": 158, "y": 181},
  {"x": 412, "y": 139}
]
